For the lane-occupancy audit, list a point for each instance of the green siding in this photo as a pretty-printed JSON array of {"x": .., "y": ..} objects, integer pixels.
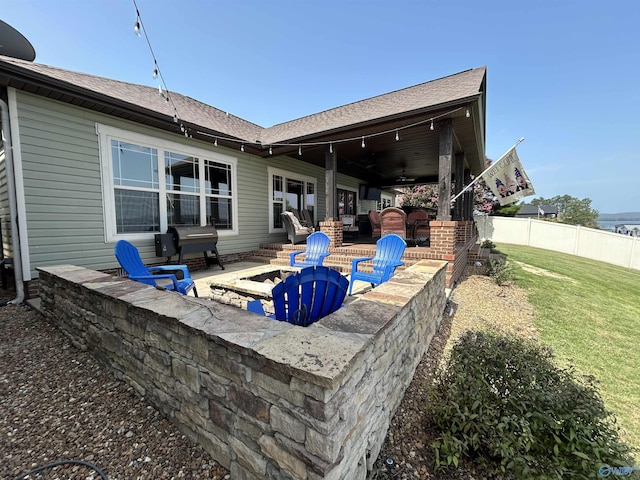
[{"x": 62, "y": 186}]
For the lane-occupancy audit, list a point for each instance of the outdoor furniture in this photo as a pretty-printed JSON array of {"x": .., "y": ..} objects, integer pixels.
[
  {"x": 349, "y": 226},
  {"x": 317, "y": 249},
  {"x": 389, "y": 250},
  {"x": 374, "y": 218},
  {"x": 295, "y": 231},
  {"x": 418, "y": 226},
  {"x": 301, "y": 218},
  {"x": 130, "y": 261},
  {"x": 306, "y": 297},
  {"x": 306, "y": 214},
  {"x": 393, "y": 220}
]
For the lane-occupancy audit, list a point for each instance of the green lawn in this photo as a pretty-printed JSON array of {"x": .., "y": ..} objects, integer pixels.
[{"x": 593, "y": 318}]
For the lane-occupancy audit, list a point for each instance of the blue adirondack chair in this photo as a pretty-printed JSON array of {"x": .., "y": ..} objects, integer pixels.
[
  {"x": 389, "y": 250},
  {"x": 317, "y": 249},
  {"x": 130, "y": 261},
  {"x": 307, "y": 296}
]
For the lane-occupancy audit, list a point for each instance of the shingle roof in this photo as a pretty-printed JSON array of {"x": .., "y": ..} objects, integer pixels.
[
  {"x": 445, "y": 90},
  {"x": 457, "y": 87}
]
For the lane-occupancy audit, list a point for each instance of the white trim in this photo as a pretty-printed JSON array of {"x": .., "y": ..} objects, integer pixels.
[
  {"x": 107, "y": 132},
  {"x": 19, "y": 184},
  {"x": 271, "y": 171}
]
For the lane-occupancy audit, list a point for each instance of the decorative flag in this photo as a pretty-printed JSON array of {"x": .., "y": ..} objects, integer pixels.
[
  {"x": 507, "y": 179},
  {"x": 540, "y": 211}
]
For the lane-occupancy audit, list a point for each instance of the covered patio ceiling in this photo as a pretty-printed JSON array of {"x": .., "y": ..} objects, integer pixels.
[{"x": 411, "y": 159}]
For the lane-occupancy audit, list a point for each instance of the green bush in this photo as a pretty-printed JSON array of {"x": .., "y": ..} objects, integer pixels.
[
  {"x": 503, "y": 403},
  {"x": 500, "y": 270},
  {"x": 488, "y": 244}
]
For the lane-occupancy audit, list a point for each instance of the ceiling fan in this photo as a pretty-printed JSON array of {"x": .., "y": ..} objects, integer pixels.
[{"x": 403, "y": 178}]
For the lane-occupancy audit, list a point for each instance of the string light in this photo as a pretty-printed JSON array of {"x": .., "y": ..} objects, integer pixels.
[
  {"x": 242, "y": 147},
  {"x": 270, "y": 150},
  {"x": 362, "y": 138},
  {"x": 215, "y": 143},
  {"x": 467, "y": 114},
  {"x": 363, "y": 144},
  {"x": 136, "y": 27},
  {"x": 155, "y": 73}
]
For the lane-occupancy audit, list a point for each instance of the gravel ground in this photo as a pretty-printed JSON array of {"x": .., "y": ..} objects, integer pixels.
[{"x": 57, "y": 403}]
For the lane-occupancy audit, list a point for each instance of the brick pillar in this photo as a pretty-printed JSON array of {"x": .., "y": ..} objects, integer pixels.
[
  {"x": 333, "y": 228},
  {"x": 443, "y": 238}
]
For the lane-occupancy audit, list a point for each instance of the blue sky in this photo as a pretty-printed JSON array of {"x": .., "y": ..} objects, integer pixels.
[{"x": 564, "y": 74}]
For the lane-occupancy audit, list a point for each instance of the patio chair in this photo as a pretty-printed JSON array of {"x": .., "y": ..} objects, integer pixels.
[
  {"x": 295, "y": 231},
  {"x": 393, "y": 220},
  {"x": 374, "y": 218},
  {"x": 317, "y": 250},
  {"x": 418, "y": 226},
  {"x": 130, "y": 261},
  {"x": 389, "y": 251},
  {"x": 306, "y": 214},
  {"x": 301, "y": 218},
  {"x": 307, "y": 296}
]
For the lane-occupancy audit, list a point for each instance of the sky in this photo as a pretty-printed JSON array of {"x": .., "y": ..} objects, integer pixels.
[{"x": 564, "y": 74}]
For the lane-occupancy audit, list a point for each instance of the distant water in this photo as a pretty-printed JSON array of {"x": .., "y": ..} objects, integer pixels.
[{"x": 609, "y": 225}]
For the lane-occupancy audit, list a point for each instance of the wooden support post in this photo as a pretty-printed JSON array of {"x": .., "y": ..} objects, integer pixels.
[
  {"x": 458, "y": 207},
  {"x": 444, "y": 171},
  {"x": 330, "y": 175}
]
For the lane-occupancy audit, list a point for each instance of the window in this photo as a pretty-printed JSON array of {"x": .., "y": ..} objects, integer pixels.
[
  {"x": 150, "y": 184},
  {"x": 288, "y": 190},
  {"x": 347, "y": 202}
]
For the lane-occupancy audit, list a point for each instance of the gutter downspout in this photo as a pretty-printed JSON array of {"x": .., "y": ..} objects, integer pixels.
[{"x": 11, "y": 188}]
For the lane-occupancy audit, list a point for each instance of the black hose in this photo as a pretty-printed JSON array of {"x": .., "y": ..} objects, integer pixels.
[{"x": 63, "y": 462}]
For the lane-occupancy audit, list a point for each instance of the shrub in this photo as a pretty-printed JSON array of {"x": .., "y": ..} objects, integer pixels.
[
  {"x": 503, "y": 402},
  {"x": 500, "y": 270},
  {"x": 488, "y": 244}
]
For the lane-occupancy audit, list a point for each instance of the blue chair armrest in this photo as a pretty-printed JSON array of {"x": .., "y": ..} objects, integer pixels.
[
  {"x": 169, "y": 268},
  {"x": 170, "y": 276},
  {"x": 322, "y": 257},
  {"x": 355, "y": 261},
  {"x": 292, "y": 256}
]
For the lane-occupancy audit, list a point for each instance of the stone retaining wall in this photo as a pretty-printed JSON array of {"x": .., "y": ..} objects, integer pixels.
[{"x": 266, "y": 399}]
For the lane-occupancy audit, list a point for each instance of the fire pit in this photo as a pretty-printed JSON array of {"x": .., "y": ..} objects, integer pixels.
[{"x": 237, "y": 288}]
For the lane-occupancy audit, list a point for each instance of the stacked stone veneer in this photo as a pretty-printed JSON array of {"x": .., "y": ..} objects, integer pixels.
[{"x": 266, "y": 399}]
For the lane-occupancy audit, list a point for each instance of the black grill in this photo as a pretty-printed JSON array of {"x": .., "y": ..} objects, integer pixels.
[{"x": 196, "y": 239}]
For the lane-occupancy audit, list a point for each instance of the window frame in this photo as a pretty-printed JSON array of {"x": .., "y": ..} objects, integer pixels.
[
  {"x": 106, "y": 133},
  {"x": 285, "y": 174}
]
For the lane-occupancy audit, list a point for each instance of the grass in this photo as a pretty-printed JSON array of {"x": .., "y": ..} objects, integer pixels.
[{"x": 589, "y": 314}]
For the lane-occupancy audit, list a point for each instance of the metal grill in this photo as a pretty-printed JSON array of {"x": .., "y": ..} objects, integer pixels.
[{"x": 196, "y": 239}]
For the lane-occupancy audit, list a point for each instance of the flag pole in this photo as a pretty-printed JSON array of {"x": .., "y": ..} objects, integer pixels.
[{"x": 478, "y": 177}]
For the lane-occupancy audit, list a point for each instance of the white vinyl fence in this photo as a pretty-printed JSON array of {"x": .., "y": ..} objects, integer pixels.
[{"x": 609, "y": 247}]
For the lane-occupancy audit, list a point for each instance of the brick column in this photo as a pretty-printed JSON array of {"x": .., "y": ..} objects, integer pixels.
[
  {"x": 443, "y": 239},
  {"x": 333, "y": 228}
]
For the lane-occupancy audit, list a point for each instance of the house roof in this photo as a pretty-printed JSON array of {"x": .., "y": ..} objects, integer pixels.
[
  {"x": 400, "y": 109},
  {"x": 528, "y": 209}
]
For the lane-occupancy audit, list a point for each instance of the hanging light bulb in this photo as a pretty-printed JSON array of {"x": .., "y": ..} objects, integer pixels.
[
  {"x": 155, "y": 72},
  {"x": 186, "y": 133},
  {"x": 331, "y": 148},
  {"x": 136, "y": 28},
  {"x": 467, "y": 114},
  {"x": 242, "y": 147},
  {"x": 300, "y": 150},
  {"x": 397, "y": 135},
  {"x": 270, "y": 150},
  {"x": 182, "y": 127},
  {"x": 215, "y": 142},
  {"x": 175, "y": 118},
  {"x": 431, "y": 127},
  {"x": 160, "y": 92},
  {"x": 363, "y": 144}
]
